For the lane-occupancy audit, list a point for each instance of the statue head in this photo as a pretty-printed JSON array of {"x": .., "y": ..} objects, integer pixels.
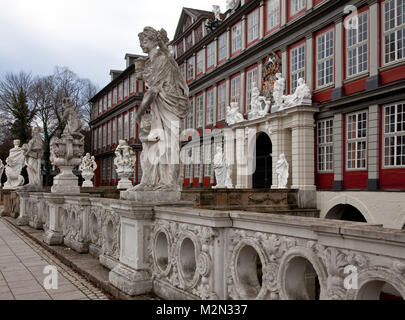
[
  {"x": 150, "y": 38},
  {"x": 66, "y": 103},
  {"x": 37, "y": 130},
  {"x": 255, "y": 91},
  {"x": 16, "y": 143},
  {"x": 300, "y": 82},
  {"x": 234, "y": 105},
  {"x": 122, "y": 143}
]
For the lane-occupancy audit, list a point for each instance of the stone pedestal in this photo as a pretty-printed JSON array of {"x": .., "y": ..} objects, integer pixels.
[
  {"x": 124, "y": 183},
  {"x": 54, "y": 233},
  {"x": 23, "y": 218},
  {"x": 152, "y": 196},
  {"x": 66, "y": 181},
  {"x": 132, "y": 275}
]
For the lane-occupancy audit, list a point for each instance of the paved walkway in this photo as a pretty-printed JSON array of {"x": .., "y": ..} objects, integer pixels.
[{"x": 22, "y": 276}]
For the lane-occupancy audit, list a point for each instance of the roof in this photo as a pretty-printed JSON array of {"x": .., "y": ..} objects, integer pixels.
[{"x": 196, "y": 14}]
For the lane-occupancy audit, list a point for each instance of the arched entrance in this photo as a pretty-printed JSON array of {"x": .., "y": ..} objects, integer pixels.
[
  {"x": 262, "y": 178},
  {"x": 345, "y": 212}
]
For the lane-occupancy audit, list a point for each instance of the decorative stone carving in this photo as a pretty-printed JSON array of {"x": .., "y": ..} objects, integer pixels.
[
  {"x": 87, "y": 167},
  {"x": 260, "y": 106},
  {"x": 167, "y": 97},
  {"x": 33, "y": 152},
  {"x": 302, "y": 96},
  {"x": 222, "y": 170},
  {"x": 66, "y": 151},
  {"x": 14, "y": 164},
  {"x": 233, "y": 115},
  {"x": 124, "y": 161},
  {"x": 271, "y": 69},
  {"x": 217, "y": 12},
  {"x": 232, "y": 4},
  {"x": 278, "y": 91},
  {"x": 282, "y": 168}
]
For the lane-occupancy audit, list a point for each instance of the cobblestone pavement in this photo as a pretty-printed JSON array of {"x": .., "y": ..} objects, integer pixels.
[{"x": 22, "y": 263}]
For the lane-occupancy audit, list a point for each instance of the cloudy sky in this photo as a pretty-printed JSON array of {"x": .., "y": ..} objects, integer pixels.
[{"x": 88, "y": 36}]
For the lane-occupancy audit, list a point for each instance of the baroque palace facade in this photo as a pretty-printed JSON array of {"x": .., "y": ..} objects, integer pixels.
[{"x": 346, "y": 151}]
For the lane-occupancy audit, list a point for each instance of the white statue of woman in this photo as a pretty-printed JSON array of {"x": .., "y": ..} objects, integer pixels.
[
  {"x": 72, "y": 120},
  {"x": 301, "y": 96},
  {"x": 257, "y": 108},
  {"x": 87, "y": 167},
  {"x": 233, "y": 115},
  {"x": 33, "y": 152},
  {"x": 217, "y": 12},
  {"x": 222, "y": 171},
  {"x": 14, "y": 164},
  {"x": 278, "y": 91},
  {"x": 167, "y": 97},
  {"x": 282, "y": 172}
]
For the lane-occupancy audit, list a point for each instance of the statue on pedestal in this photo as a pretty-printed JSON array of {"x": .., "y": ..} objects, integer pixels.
[
  {"x": 167, "y": 97},
  {"x": 14, "y": 164},
  {"x": 222, "y": 171},
  {"x": 233, "y": 115},
  {"x": 301, "y": 96},
  {"x": 282, "y": 172},
  {"x": 66, "y": 151},
  {"x": 278, "y": 91},
  {"x": 258, "y": 110},
  {"x": 87, "y": 167},
  {"x": 124, "y": 161},
  {"x": 33, "y": 152}
]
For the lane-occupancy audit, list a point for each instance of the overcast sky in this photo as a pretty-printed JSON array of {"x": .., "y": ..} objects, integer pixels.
[{"x": 88, "y": 36}]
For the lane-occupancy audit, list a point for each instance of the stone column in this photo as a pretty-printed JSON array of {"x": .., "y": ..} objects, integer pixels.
[
  {"x": 242, "y": 92},
  {"x": 309, "y": 61},
  {"x": 54, "y": 233},
  {"x": 228, "y": 41},
  {"x": 133, "y": 273},
  {"x": 373, "y": 148},
  {"x": 338, "y": 151},
  {"x": 283, "y": 12},
  {"x": 284, "y": 65},
  {"x": 373, "y": 82},
  {"x": 338, "y": 92},
  {"x": 215, "y": 52},
  {"x": 261, "y": 20},
  {"x": 228, "y": 86},
  {"x": 241, "y": 161},
  {"x": 243, "y": 32}
]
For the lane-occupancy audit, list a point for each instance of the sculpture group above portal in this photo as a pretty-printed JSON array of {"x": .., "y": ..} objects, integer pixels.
[
  {"x": 87, "y": 167},
  {"x": 124, "y": 162},
  {"x": 233, "y": 115},
  {"x": 33, "y": 152},
  {"x": 222, "y": 171},
  {"x": 301, "y": 96},
  {"x": 14, "y": 164},
  {"x": 260, "y": 106}
]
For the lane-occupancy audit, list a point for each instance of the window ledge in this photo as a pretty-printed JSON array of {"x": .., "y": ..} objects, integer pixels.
[
  {"x": 357, "y": 77},
  {"x": 392, "y": 65},
  {"x": 330, "y": 86}
]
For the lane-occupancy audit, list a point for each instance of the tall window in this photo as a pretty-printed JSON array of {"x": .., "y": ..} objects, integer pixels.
[
  {"x": 200, "y": 111},
  {"x": 108, "y": 169},
  {"x": 190, "y": 69},
  {"x": 208, "y": 160},
  {"x": 357, "y": 45},
  {"x": 325, "y": 56},
  {"x": 115, "y": 95},
  {"x": 394, "y": 30},
  {"x": 235, "y": 90},
  {"x": 114, "y": 131},
  {"x": 189, "y": 41},
  {"x": 109, "y": 138},
  {"x": 356, "y": 145},
  {"x": 394, "y": 135},
  {"x": 221, "y": 101},
  {"x": 126, "y": 87},
  {"x": 109, "y": 99},
  {"x": 251, "y": 82},
  {"x": 197, "y": 162},
  {"x": 95, "y": 144},
  {"x": 253, "y": 26},
  {"x": 210, "y": 106},
  {"x": 296, "y": 6},
  {"x": 200, "y": 62},
  {"x": 325, "y": 145},
  {"x": 222, "y": 47},
  {"x": 132, "y": 84},
  {"x": 190, "y": 116},
  {"x": 104, "y": 136},
  {"x": 120, "y": 91},
  {"x": 297, "y": 65},
  {"x": 180, "y": 49},
  {"x": 236, "y": 37},
  {"x": 119, "y": 128},
  {"x": 210, "y": 55},
  {"x": 100, "y": 106},
  {"x": 126, "y": 126},
  {"x": 273, "y": 14},
  {"x": 105, "y": 103},
  {"x": 100, "y": 137},
  {"x": 198, "y": 34},
  {"x": 133, "y": 124}
]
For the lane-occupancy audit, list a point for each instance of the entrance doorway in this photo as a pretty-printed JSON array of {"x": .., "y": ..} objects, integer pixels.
[{"x": 262, "y": 178}]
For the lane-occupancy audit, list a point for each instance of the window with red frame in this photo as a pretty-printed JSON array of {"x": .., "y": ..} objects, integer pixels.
[
  {"x": 180, "y": 49},
  {"x": 190, "y": 69},
  {"x": 210, "y": 55},
  {"x": 198, "y": 34},
  {"x": 210, "y": 106},
  {"x": 393, "y": 15},
  {"x": 120, "y": 91},
  {"x": 109, "y": 137},
  {"x": 221, "y": 101},
  {"x": 200, "y": 111},
  {"x": 115, "y": 95},
  {"x": 109, "y": 98},
  {"x": 114, "y": 131},
  {"x": 297, "y": 65},
  {"x": 105, "y": 103},
  {"x": 236, "y": 37},
  {"x": 189, "y": 41},
  {"x": 132, "y": 86},
  {"x": 236, "y": 91},
  {"x": 119, "y": 128},
  {"x": 325, "y": 145},
  {"x": 253, "y": 26},
  {"x": 251, "y": 82},
  {"x": 297, "y": 6},
  {"x": 394, "y": 136},
  {"x": 222, "y": 47},
  {"x": 126, "y": 88},
  {"x": 100, "y": 110},
  {"x": 273, "y": 14},
  {"x": 200, "y": 62},
  {"x": 356, "y": 141}
]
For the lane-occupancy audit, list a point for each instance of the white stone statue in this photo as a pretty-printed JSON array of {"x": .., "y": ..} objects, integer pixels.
[
  {"x": 33, "y": 152},
  {"x": 301, "y": 96},
  {"x": 1, "y": 170},
  {"x": 278, "y": 91},
  {"x": 87, "y": 167},
  {"x": 222, "y": 171},
  {"x": 14, "y": 164},
  {"x": 167, "y": 97},
  {"x": 233, "y": 115},
  {"x": 259, "y": 105},
  {"x": 217, "y": 12},
  {"x": 124, "y": 161},
  {"x": 66, "y": 151},
  {"x": 282, "y": 172},
  {"x": 232, "y": 4}
]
